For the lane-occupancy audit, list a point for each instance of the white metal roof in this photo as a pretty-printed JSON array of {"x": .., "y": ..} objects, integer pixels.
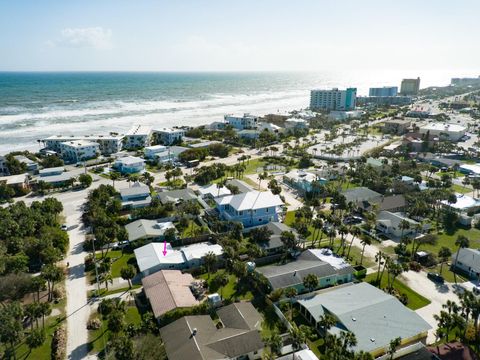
[{"x": 251, "y": 200}]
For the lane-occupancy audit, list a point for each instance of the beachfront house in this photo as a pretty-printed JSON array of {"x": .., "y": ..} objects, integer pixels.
[
  {"x": 241, "y": 122},
  {"x": 79, "y": 150},
  {"x": 32, "y": 166},
  {"x": 138, "y": 137},
  {"x": 168, "y": 136},
  {"x": 129, "y": 165},
  {"x": 251, "y": 208},
  {"x": 135, "y": 196},
  {"x": 296, "y": 124},
  {"x": 373, "y": 316}
]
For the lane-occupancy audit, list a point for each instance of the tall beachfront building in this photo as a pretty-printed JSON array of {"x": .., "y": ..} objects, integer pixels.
[
  {"x": 333, "y": 99},
  {"x": 410, "y": 86},
  {"x": 383, "y": 91}
]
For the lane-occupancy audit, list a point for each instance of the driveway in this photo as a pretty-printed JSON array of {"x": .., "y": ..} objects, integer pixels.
[{"x": 438, "y": 294}]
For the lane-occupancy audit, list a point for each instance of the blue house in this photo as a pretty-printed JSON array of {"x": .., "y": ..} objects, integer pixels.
[
  {"x": 136, "y": 196},
  {"x": 251, "y": 208},
  {"x": 129, "y": 165}
]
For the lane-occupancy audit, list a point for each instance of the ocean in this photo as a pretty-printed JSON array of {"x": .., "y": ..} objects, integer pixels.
[{"x": 34, "y": 105}]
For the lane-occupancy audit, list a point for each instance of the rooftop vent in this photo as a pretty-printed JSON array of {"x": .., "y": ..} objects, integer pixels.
[
  {"x": 372, "y": 339},
  {"x": 354, "y": 319},
  {"x": 194, "y": 331}
]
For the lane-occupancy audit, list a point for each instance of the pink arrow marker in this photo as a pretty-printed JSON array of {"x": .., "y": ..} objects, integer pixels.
[{"x": 164, "y": 247}]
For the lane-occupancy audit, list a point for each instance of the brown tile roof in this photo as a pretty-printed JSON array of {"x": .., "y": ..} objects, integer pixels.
[{"x": 167, "y": 290}]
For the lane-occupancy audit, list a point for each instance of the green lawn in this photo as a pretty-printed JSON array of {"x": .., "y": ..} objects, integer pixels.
[
  {"x": 461, "y": 189},
  {"x": 119, "y": 260},
  {"x": 446, "y": 273},
  {"x": 176, "y": 184},
  {"x": 51, "y": 324},
  {"x": 191, "y": 229},
  {"x": 252, "y": 165},
  {"x": 415, "y": 300},
  {"x": 448, "y": 240},
  {"x": 233, "y": 289},
  {"x": 98, "y": 338}
]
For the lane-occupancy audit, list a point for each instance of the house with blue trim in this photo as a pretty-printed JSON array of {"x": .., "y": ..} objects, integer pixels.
[
  {"x": 251, "y": 208},
  {"x": 129, "y": 165}
]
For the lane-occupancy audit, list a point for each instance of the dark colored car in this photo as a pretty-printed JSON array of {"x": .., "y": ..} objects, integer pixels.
[{"x": 435, "y": 277}]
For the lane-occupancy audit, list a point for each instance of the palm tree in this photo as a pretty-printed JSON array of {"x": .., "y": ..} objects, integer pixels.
[
  {"x": 114, "y": 176},
  {"x": 462, "y": 242},
  {"x": 355, "y": 232},
  {"x": 290, "y": 293},
  {"x": 366, "y": 240},
  {"x": 298, "y": 336},
  {"x": 327, "y": 321},
  {"x": 444, "y": 254},
  {"x": 394, "y": 345},
  {"x": 310, "y": 282},
  {"x": 209, "y": 260},
  {"x": 128, "y": 273},
  {"x": 404, "y": 225}
]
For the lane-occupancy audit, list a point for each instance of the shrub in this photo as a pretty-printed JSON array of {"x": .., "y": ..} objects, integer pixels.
[
  {"x": 415, "y": 266},
  {"x": 59, "y": 344},
  {"x": 94, "y": 324}
]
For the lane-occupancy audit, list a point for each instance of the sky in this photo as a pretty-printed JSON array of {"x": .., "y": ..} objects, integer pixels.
[{"x": 246, "y": 35}]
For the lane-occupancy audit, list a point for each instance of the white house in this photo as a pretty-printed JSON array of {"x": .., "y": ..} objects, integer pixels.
[
  {"x": 79, "y": 150},
  {"x": 293, "y": 123},
  {"x": 129, "y": 165},
  {"x": 389, "y": 224},
  {"x": 138, "y": 136},
  {"x": 150, "y": 258},
  {"x": 212, "y": 191},
  {"x": 468, "y": 262},
  {"x": 169, "y": 136},
  {"x": 270, "y": 127},
  {"x": 452, "y": 132},
  {"x": 148, "y": 230},
  {"x": 251, "y": 208},
  {"x": 242, "y": 122},
  {"x": 170, "y": 154},
  {"x": 151, "y": 151}
]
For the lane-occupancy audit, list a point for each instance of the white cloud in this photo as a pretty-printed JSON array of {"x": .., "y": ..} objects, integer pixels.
[{"x": 92, "y": 37}]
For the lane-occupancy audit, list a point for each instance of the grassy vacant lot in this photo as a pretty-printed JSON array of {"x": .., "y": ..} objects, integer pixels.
[
  {"x": 234, "y": 289},
  {"x": 415, "y": 300},
  {"x": 448, "y": 240},
  {"x": 252, "y": 165},
  {"x": 99, "y": 338},
  {"x": 119, "y": 260}
]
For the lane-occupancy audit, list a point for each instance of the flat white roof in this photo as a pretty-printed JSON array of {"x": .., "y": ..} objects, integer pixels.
[
  {"x": 474, "y": 168},
  {"x": 130, "y": 160},
  {"x": 155, "y": 148},
  {"x": 14, "y": 179},
  {"x": 79, "y": 143},
  {"x": 464, "y": 202},
  {"x": 329, "y": 257},
  {"x": 169, "y": 130},
  {"x": 444, "y": 127},
  {"x": 213, "y": 190}
]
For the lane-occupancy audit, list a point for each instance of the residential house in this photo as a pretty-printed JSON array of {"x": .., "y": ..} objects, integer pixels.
[
  {"x": 149, "y": 152},
  {"x": 55, "y": 176},
  {"x": 373, "y": 316},
  {"x": 251, "y": 208},
  {"x": 236, "y": 336},
  {"x": 168, "y": 290},
  {"x": 266, "y": 126},
  {"x": 240, "y": 122},
  {"x": 3, "y": 166},
  {"x": 303, "y": 180},
  {"x": 20, "y": 181},
  {"x": 328, "y": 267},
  {"x": 136, "y": 196},
  {"x": 51, "y": 171},
  {"x": 169, "y": 136},
  {"x": 242, "y": 186},
  {"x": 465, "y": 206},
  {"x": 392, "y": 203},
  {"x": 468, "y": 262},
  {"x": 170, "y": 154},
  {"x": 139, "y": 136},
  {"x": 294, "y": 123},
  {"x": 360, "y": 195},
  {"x": 150, "y": 257},
  {"x": 305, "y": 354},
  {"x": 176, "y": 196},
  {"x": 396, "y": 126},
  {"x": 389, "y": 223},
  {"x": 32, "y": 166},
  {"x": 212, "y": 191},
  {"x": 129, "y": 165},
  {"x": 274, "y": 245},
  {"x": 148, "y": 230}
]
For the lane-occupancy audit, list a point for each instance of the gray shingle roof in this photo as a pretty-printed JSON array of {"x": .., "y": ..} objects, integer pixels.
[
  {"x": 176, "y": 195},
  {"x": 210, "y": 342}
]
